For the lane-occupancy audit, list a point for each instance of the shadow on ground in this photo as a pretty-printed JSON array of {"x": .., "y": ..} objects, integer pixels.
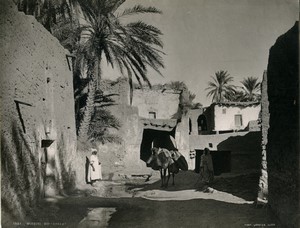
[
  {"x": 184, "y": 180},
  {"x": 244, "y": 186},
  {"x": 129, "y": 211},
  {"x": 138, "y": 212}
]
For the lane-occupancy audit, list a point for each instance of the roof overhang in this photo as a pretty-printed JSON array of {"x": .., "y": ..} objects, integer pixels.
[
  {"x": 159, "y": 124},
  {"x": 237, "y": 104}
]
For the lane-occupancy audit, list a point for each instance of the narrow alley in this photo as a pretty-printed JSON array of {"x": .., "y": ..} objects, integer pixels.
[{"x": 136, "y": 203}]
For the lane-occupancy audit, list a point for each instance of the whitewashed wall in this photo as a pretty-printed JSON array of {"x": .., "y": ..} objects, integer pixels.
[{"x": 225, "y": 121}]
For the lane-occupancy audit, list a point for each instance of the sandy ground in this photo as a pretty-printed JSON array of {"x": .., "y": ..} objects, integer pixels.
[{"x": 136, "y": 203}]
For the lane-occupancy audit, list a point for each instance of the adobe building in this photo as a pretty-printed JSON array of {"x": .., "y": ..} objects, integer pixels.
[
  {"x": 38, "y": 134},
  {"x": 154, "y": 113},
  {"x": 231, "y": 131},
  {"x": 283, "y": 134},
  {"x": 231, "y": 116},
  {"x": 265, "y": 116}
]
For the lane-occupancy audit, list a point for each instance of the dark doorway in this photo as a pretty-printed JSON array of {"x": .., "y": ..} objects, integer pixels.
[
  {"x": 159, "y": 139},
  {"x": 202, "y": 123},
  {"x": 221, "y": 161}
]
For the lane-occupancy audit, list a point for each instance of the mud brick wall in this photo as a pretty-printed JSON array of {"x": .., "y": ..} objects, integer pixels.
[
  {"x": 265, "y": 116},
  {"x": 283, "y": 135},
  {"x": 151, "y": 100},
  {"x": 36, "y": 103},
  {"x": 193, "y": 118},
  {"x": 244, "y": 147},
  {"x": 119, "y": 160}
]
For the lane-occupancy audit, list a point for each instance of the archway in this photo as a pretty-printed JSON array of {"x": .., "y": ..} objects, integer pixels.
[{"x": 159, "y": 138}]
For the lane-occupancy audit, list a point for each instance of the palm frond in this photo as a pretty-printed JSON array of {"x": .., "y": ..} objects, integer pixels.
[
  {"x": 220, "y": 86},
  {"x": 138, "y": 9},
  {"x": 251, "y": 88},
  {"x": 132, "y": 47}
]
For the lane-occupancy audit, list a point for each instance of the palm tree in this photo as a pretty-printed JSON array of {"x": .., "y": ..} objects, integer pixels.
[
  {"x": 235, "y": 96},
  {"x": 103, "y": 120},
  {"x": 220, "y": 86},
  {"x": 251, "y": 87},
  {"x": 131, "y": 47}
]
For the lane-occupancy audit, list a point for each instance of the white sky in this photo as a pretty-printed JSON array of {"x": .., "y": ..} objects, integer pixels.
[{"x": 204, "y": 36}]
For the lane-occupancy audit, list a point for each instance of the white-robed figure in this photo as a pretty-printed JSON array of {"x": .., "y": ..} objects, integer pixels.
[{"x": 95, "y": 172}]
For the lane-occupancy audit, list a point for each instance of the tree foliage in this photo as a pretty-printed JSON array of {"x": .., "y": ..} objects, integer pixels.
[
  {"x": 130, "y": 47},
  {"x": 219, "y": 86},
  {"x": 221, "y": 89},
  {"x": 251, "y": 88},
  {"x": 101, "y": 124},
  {"x": 47, "y": 12}
]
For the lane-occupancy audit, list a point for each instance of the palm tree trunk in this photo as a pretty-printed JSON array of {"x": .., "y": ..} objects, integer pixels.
[
  {"x": 98, "y": 65},
  {"x": 88, "y": 111},
  {"x": 94, "y": 85}
]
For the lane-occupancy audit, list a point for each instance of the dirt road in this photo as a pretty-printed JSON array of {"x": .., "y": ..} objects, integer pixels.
[{"x": 135, "y": 203}]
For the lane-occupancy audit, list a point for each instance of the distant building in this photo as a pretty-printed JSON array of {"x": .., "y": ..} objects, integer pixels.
[
  {"x": 158, "y": 111},
  {"x": 232, "y": 132},
  {"x": 154, "y": 113},
  {"x": 156, "y": 103},
  {"x": 231, "y": 116}
]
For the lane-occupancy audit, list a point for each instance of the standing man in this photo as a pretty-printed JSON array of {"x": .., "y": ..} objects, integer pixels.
[
  {"x": 206, "y": 167},
  {"x": 95, "y": 172}
]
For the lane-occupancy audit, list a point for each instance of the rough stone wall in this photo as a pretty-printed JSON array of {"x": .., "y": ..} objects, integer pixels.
[
  {"x": 34, "y": 71},
  {"x": 283, "y": 135},
  {"x": 265, "y": 116}
]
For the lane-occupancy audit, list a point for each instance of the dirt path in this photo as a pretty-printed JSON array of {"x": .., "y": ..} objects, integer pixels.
[{"x": 134, "y": 203}]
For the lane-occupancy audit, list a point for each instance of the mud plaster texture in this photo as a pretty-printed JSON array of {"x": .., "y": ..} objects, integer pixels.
[
  {"x": 245, "y": 148},
  {"x": 283, "y": 135},
  {"x": 36, "y": 104},
  {"x": 194, "y": 114},
  {"x": 123, "y": 160},
  {"x": 265, "y": 117}
]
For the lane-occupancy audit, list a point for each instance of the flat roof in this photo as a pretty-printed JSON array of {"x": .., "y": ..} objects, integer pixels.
[{"x": 243, "y": 104}]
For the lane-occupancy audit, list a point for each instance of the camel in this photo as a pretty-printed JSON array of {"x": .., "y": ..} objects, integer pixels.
[{"x": 161, "y": 159}]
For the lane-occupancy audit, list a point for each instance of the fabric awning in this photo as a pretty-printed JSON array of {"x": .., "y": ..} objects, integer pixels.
[{"x": 159, "y": 124}]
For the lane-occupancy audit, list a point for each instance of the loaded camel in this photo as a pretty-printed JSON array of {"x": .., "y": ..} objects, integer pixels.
[{"x": 166, "y": 161}]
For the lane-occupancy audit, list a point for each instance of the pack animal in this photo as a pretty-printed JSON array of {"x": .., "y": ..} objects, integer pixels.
[{"x": 161, "y": 159}]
